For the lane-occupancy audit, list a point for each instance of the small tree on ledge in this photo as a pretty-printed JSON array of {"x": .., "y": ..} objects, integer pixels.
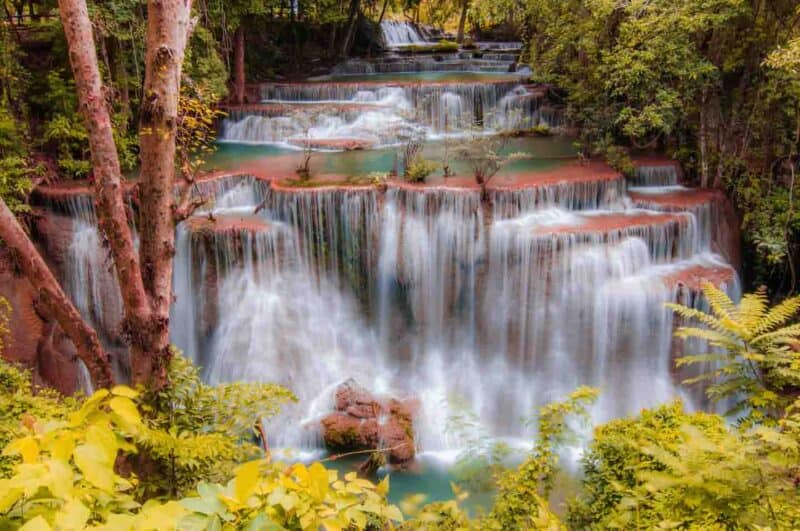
[{"x": 486, "y": 155}]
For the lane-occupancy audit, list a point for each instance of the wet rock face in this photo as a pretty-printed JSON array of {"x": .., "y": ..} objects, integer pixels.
[
  {"x": 34, "y": 341},
  {"x": 362, "y": 422}
]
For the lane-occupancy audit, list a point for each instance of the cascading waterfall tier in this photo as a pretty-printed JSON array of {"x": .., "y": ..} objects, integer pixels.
[
  {"x": 414, "y": 291},
  {"x": 400, "y": 34},
  {"x": 430, "y": 293},
  {"x": 386, "y": 113}
]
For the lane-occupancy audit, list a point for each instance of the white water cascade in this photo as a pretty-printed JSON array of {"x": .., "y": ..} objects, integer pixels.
[
  {"x": 385, "y": 114},
  {"x": 400, "y": 34},
  {"x": 418, "y": 294}
]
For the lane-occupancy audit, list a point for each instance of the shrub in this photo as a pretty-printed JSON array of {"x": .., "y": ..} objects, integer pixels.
[{"x": 419, "y": 169}]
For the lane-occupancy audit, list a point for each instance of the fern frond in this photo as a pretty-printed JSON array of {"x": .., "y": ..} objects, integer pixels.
[
  {"x": 699, "y": 358},
  {"x": 722, "y": 305},
  {"x": 752, "y": 308},
  {"x": 786, "y": 333},
  {"x": 704, "y": 318},
  {"x": 778, "y": 315},
  {"x": 727, "y": 340}
]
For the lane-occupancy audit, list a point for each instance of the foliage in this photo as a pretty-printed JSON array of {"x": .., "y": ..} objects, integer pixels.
[
  {"x": 203, "y": 66},
  {"x": 266, "y": 495},
  {"x": 483, "y": 458},
  {"x": 199, "y": 432},
  {"x": 67, "y": 479},
  {"x": 5, "y": 323},
  {"x": 521, "y": 501},
  {"x": 16, "y": 181},
  {"x": 418, "y": 169},
  {"x": 486, "y": 155},
  {"x": 755, "y": 364},
  {"x": 713, "y": 81},
  {"x": 615, "y": 459},
  {"x": 196, "y": 127},
  {"x": 671, "y": 469}
]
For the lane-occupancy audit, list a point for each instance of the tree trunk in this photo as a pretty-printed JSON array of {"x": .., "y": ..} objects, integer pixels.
[
  {"x": 54, "y": 300},
  {"x": 238, "y": 62},
  {"x": 462, "y": 21},
  {"x": 704, "y": 140},
  {"x": 383, "y": 11},
  {"x": 111, "y": 210},
  {"x": 168, "y": 28},
  {"x": 352, "y": 19}
]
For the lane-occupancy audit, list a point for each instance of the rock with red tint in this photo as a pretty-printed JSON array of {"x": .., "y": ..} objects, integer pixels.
[
  {"x": 26, "y": 325},
  {"x": 398, "y": 431},
  {"x": 58, "y": 361},
  {"x": 35, "y": 342},
  {"x": 356, "y": 401},
  {"x": 53, "y": 234},
  {"x": 221, "y": 224},
  {"x": 696, "y": 276},
  {"x": 362, "y": 422},
  {"x": 345, "y": 433}
]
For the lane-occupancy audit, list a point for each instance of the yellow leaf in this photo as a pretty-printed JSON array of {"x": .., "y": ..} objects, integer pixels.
[
  {"x": 383, "y": 486},
  {"x": 36, "y": 524},
  {"x": 126, "y": 409},
  {"x": 160, "y": 517},
  {"x": 73, "y": 515},
  {"x": 60, "y": 477},
  {"x": 246, "y": 480},
  {"x": 89, "y": 407},
  {"x": 99, "y": 474},
  {"x": 309, "y": 520},
  {"x": 101, "y": 437},
  {"x": 318, "y": 481},
  {"x": 62, "y": 446},
  {"x": 393, "y": 513},
  {"x": 124, "y": 390},
  {"x": 8, "y": 495},
  {"x": 332, "y": 525},
  {"x": 27, "y": 448}
]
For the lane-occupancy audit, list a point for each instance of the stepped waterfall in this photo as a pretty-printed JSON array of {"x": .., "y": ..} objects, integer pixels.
[{"x": 489, "y": 305}]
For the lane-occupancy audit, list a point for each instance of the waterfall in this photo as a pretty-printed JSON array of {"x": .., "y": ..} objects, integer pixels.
[
  {"x": 656, "y": 175},
  {"x": 385, "y": 114},
  {"x": 400, "y": 33},
  {"x": 416, "y": 293}
]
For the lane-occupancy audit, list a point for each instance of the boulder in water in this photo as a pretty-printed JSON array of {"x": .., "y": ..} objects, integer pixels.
[{"x": 362, "y": 422}]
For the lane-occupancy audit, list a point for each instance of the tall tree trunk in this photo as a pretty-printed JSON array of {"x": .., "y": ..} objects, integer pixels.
[
  {"x": 168, "y": 28},
  {"x": 111, "y": 210},
  {"x": 238, "y": 65},
  {"x": 704, "y": 140},
  {"x": 55, "y": 302},
  {"x": 383, "y": 11},
  {"x": 462, "y": 21},
  {"x": 352, "y": 19}
]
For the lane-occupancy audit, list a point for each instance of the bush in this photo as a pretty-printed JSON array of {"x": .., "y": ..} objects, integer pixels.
[{"x": 419, "y": 169}]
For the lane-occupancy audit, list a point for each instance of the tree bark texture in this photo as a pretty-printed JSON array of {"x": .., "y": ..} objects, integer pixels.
[
  {"x": 462, "y": 21},
  {"x": 111, "y": 209},
  {"x": 168, "y": 28},
  {"x": 238, "y": 64},
  {"x": 352, "y": 19}
]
